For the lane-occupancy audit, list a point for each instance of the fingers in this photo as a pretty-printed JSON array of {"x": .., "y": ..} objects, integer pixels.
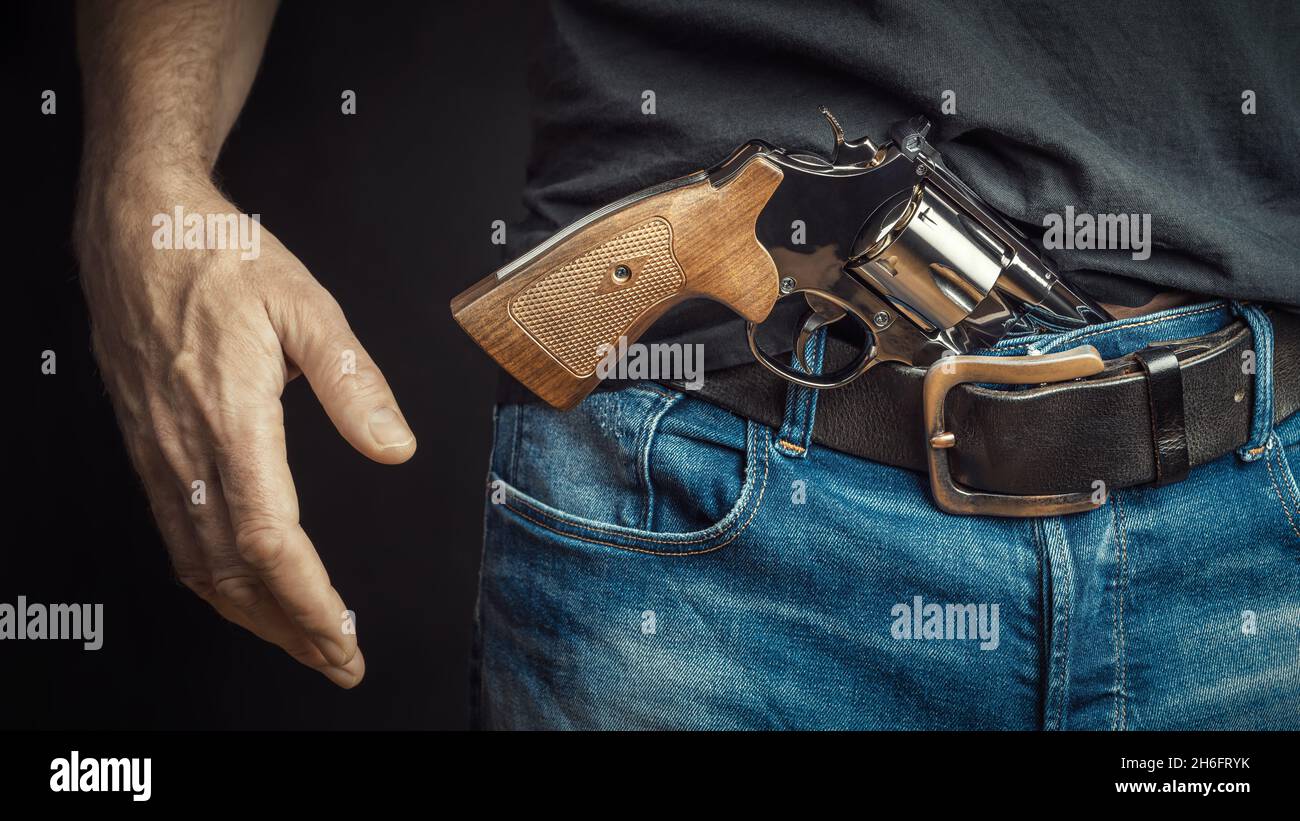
[
  {"x": 245, "y": 601},
  {"x": 316, "y": 337},
  {"x": 195, "y": 372},
  {"x": 200, "y": 539},
  {"x": 274, "y": 567},
  {"x": 241, "y": 596}
]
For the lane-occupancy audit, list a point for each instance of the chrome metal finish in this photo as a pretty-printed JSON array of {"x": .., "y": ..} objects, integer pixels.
[
  {"x": 833, "y": 295},
  {"x": 890, "y": 231},
  {"x": 943, "y": 376},
  {"x": 848, "y": 152},
  {"x": 936, "y": 265}
]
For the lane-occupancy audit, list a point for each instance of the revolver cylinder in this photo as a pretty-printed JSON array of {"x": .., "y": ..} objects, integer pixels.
[
  {"x": 931, "y": 261},
  {"x": 960, "y": 278}
]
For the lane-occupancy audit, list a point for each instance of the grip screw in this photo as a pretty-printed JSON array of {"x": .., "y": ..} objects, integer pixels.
[{"x": 622, "y": 273}]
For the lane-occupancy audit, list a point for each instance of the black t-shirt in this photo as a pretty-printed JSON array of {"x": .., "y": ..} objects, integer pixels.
[{"x": 1105, "y": 107}]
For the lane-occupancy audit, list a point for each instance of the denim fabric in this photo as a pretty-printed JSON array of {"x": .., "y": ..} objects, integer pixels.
[{"x": 653, "y": 561}]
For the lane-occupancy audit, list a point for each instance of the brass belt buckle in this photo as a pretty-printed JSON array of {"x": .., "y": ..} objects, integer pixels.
[{"x": 950, "y": 372}]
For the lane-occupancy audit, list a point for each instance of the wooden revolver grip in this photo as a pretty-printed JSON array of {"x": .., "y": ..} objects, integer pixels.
[{"x": 545, "y": 316}]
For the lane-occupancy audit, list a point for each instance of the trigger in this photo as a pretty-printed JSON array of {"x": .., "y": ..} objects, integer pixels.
[{"x": 823, "y": 314}]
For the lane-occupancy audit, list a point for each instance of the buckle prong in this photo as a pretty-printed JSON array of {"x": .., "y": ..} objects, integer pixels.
[
  {"x": 943, "y": 440},
  {"x": 951, "y": 371}
]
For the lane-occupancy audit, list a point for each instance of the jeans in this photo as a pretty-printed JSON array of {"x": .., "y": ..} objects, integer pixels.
[{"x": 653, "y": 561}]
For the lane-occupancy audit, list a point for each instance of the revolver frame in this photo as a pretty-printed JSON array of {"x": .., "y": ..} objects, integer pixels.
[{"x": 930, "y": 271}]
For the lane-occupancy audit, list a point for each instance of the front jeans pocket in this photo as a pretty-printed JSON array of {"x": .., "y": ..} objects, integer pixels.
[{"x": 642, "y": 469}]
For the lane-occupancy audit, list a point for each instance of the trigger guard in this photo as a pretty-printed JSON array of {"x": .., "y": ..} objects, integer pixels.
[{"x": 865, "y": 359}]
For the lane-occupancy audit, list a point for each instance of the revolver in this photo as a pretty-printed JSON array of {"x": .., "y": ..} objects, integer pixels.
[{"x": 883, "y": 235}]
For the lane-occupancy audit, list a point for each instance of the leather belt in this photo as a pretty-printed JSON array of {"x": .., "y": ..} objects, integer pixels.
[{"x": 1146, "y": 418}]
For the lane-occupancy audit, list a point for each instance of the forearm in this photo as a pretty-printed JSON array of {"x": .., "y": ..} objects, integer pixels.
[{"x": 164, "y": 81}]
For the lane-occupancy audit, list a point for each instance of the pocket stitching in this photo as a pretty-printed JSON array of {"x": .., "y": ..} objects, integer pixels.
[
  {"x": 614, "y": 530},
  {"x": 739, "y": 527},
  {"x": 1278, "y": 491}
]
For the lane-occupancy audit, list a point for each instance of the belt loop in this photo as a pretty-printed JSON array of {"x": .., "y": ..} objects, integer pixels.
[
  {"x": 1261, "y": 370},
  {"x": 1168, "y": 413},
  {"x": 795, "y": 437}
]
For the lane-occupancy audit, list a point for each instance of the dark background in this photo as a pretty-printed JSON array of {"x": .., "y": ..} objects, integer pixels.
[{"x": 391, "y": 210}]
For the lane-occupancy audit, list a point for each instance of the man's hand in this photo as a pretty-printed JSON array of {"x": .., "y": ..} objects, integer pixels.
[{"x": 195, "y": 348}]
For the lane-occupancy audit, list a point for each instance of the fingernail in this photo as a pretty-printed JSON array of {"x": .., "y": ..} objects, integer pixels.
[{"x": 388, "y": 429}]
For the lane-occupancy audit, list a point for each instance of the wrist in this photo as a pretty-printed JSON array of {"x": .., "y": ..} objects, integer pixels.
[{"x": 125, "y": 190}]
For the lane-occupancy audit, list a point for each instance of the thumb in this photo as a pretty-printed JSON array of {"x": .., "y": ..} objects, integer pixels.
[{"x": 316, "y": 337}]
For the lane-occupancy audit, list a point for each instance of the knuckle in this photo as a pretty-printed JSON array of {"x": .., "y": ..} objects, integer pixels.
[
  {"x": 306, "y": 655},
  {"x": 317, "y": 304},
  {"x": 311, "y": 308},
  {"x": 261, "y": 544},
  {"x": 337, "y": 352},
  {"x": 198, "y": 583},
  {"x": 352, "y": 375},
  {"x": 364, "y": 386},
  {"x": 243, "y": 591}
]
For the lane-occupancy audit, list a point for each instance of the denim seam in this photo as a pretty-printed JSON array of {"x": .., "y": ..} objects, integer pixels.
[
  {"x": 1114, "y": 623},
  {"x": 514, "y": 444},
  {"x": 652, "y": 428},
  {"x": 1278, "y": 491},
  {"x": 632, "y": 549},
  {"x": 1046, "y": 608},
  {"x": 576, "y": 522},
  {"x": 1058, "y": 574},
  {"x": 806, "y": 421},
  {"x": 1069, "y": 594},
  {"x": 809, "y": 418},
  {"x": 1139, "y": 324},
  {"x": 1288, "y": 475},
  {"x": 1121, "y": 592},
  {"x": 734, "y": 515}
]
